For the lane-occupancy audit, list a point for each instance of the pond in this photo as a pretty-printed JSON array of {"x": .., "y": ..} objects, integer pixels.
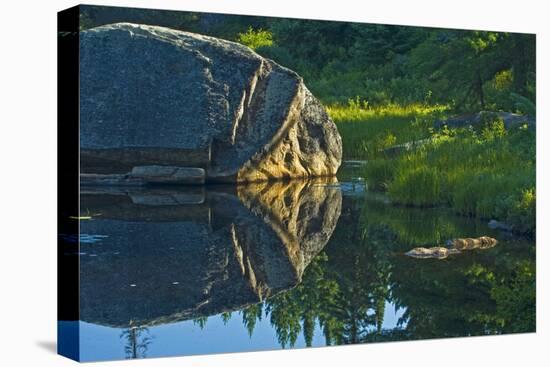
[{"x": 166, "y": 272}]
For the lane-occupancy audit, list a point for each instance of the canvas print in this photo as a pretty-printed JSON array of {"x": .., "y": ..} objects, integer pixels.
[{"x": 232, "y": 183}]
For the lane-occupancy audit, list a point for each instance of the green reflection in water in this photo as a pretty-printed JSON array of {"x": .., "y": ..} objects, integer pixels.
[{"x": 347, "y": 286}]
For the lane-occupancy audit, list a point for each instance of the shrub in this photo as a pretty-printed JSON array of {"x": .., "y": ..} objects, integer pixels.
[
  {"x": 255, "y": 39},
  {"x": 523, "y": 211}
]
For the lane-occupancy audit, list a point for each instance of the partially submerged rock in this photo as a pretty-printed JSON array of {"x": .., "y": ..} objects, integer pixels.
[
  {"x": 432, "y": 252},
  {"x": 168, "y": 174},
  {"x": 153, "y": 96},
  {"x": 144, "y": 175},
  {"x": 454, "y": 246},
  {"x": 461, "y": 244}
]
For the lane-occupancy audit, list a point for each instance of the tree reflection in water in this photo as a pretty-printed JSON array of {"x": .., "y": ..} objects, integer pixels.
[
  {"x": 307, "y": 256},
  {"x": 346, "y": 287},
  {"x": 137, "y": 342}
]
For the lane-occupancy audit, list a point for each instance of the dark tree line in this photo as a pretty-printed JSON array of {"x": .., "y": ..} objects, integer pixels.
[{"x": 380, "y": 64}]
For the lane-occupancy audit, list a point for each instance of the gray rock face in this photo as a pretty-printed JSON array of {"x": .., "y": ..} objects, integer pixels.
[
  {"x": 168, "y": 174},
  {"x": 156, "y": 96},
  {"x": 156, "y": 256}
]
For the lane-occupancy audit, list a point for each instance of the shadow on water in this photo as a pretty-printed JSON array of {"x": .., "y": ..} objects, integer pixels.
[{"x": 322, "y": 261}]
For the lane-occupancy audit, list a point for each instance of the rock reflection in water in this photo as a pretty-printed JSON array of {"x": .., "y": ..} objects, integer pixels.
[{"x": 187, "y": 253}]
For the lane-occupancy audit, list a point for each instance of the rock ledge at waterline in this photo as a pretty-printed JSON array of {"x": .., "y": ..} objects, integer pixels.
[{"x": 153, "y": 96}]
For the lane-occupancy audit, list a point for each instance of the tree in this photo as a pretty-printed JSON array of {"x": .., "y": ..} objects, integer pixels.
[{"x": 460, "y": 63}]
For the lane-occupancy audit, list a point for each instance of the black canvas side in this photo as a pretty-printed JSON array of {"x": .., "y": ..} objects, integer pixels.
[{"x": 68, "y": 182}]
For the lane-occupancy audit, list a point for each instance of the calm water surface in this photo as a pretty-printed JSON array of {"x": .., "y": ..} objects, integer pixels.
[{"x": 286, "y": 265}]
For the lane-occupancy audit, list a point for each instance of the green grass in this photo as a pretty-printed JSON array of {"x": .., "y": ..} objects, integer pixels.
[
  {"x": 487, "y": 172},
  {"x": 367, "y": 130}
]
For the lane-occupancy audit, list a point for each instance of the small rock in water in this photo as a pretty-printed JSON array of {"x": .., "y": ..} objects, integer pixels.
[
  {"x": 461, "y": 244},
  {"x": 454, "y": 246},
  {"x": 431, "y": 253}
]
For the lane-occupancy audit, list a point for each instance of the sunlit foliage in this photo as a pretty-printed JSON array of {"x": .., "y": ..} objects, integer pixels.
[{"x": 255, "y": 38}]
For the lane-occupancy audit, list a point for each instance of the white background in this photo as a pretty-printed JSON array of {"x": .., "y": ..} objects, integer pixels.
[{"x": 28, "y": 181}]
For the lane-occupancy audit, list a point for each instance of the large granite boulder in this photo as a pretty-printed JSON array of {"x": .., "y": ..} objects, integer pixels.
[
  {"x": 149, "y": 257},
  {"x": 154, "y": 96}
]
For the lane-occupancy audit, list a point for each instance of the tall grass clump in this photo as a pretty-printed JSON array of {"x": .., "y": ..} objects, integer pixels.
[
  {"x": 381, "y": 173},
  {"x": 420, "y": 186}
]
